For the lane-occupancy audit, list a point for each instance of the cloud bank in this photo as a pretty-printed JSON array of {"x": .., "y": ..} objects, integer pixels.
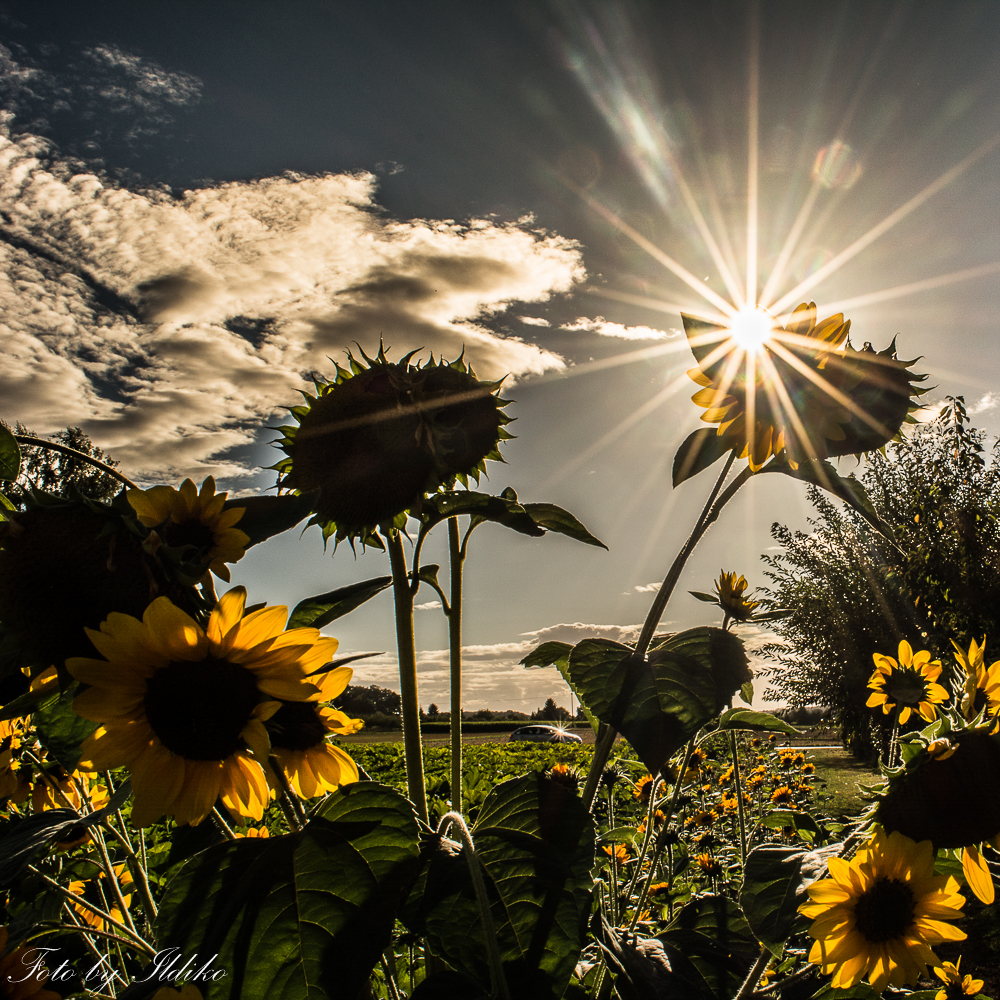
[
  {"x": 605, "y": 328},
  {"x": 171, "y": 327}
]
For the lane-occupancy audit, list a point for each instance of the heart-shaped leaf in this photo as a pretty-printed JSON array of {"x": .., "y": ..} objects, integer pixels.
[
  {"x": 699, "y": 450},
  {"x": 658, "y": 702},
  {"x": 535, "y": 841},
  {"x": 299, "y": 917}
]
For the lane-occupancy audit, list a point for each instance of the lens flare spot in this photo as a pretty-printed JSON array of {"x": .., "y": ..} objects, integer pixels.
[
  {"x": 836, "y": 166},
  {"x": 751, "y": 328}
]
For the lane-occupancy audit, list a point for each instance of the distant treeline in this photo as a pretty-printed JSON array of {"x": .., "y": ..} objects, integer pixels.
[{"x": 379, "y": 706}]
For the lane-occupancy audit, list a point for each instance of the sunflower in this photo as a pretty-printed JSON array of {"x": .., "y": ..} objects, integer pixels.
[
  {"x": 981, "y": 688},
  {"x": 782, "y": 796},
  {"x": 188, "y": 516},
  {"x": 881, "y": 913},
  {"x": 183, "y": 708},
  {"x": 907, "y": 686},
  {"x": 298, "y": 732},
  {"x": 78, "y": 888},
  {"x": 730, "y": 590},
  {"x": 955, "y": 984},
  {"x": 794, "y": 387},
  {"x": 13, "y": 966},
  {"x": 381, "y": 435},
  {"x": 617, "y": 852},
  {"x": 11, "y": 732},
  {"x": 709, "y": 865}
]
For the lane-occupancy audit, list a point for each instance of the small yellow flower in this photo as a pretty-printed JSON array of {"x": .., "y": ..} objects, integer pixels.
[
  {"x": 730, "y": 591},
  {"x": 907, "y": 686},
  {"x": 189, "y": 517},
  {"x": 709, "y": 865},
  {"x": 782, "y": 796},
  {"x": 955, "y": 984},
  {"x": 618, "y": 852},
  {"x": 880, "y": 913}
]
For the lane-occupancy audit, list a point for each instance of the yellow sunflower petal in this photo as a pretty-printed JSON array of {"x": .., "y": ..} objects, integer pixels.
[
  {"x": 977, "y": 874},
  {"x": 180, "y": 636}
]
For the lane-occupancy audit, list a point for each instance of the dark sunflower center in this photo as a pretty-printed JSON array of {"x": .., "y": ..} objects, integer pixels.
[
  {"x": 885, "y": 911},
  {"x": 198, "y": 710},
  {"x": 296, "y": 726},
  {"x": 906, "y": 687},
  {"x": 189, "y": 533}
]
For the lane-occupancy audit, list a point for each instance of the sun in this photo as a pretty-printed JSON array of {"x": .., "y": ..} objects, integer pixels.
[{"x": 751, "y": 328}]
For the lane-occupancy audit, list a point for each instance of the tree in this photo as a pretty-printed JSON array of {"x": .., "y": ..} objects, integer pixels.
[
  {"x": 852, "y": 592},
  {"x": 551, "y": 712},
  {"x": 62, "y": 474},
  {"x": 363, "y": 702},
  {"x": 432, "y": 710}
]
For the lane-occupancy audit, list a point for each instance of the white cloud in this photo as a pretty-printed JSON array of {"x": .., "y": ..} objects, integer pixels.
[
  {"x": 171, "y": 328},
  {"x": 606, "y": 328},
  {"x": 429, "y": 606},
  {"x": 647, "y": 588},
  {"x": 492, "y": 675},
  {"x": 987, "y": 402},
  {"x": 534, "y": 321}
]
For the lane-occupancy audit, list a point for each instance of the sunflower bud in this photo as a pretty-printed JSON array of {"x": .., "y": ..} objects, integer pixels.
[
  {"x": 376, "y": 439},
  {"x": 952, "y": 799}
]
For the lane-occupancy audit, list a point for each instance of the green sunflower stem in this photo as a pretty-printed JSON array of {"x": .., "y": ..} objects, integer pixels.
[
  {"x": 406, "y": 651},
  {"x": 739, "y": 798},
  {"x": 224, "y": 828},
  {"x": 456, "y": 560},
  {"x": 72, "y": 452},
  {"x": 709, "y": 514},
  {"x": 753, "y": 976},
  {"x": 498, "y": 981},
  {"x": 661, "y": 840}
]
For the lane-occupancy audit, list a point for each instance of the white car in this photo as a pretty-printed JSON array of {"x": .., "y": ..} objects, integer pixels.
[{"x": 543, "y": 734}]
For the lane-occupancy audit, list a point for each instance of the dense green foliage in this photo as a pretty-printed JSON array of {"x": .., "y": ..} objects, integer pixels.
[{"x": 852, "y": 592}]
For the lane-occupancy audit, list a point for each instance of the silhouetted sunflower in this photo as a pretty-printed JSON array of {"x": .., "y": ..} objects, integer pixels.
[
  {"x": 183, "y": 708},
  {"x": 381, "y": 435}
]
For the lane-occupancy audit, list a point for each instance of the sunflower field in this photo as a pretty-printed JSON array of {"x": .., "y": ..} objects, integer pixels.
[{"x": 181, "y": 817}]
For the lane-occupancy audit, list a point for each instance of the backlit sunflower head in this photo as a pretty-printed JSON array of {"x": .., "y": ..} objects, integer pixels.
[
  {"x": 949, "y": 791},
  {"x": 65, "y": 566},
  {"x": 800, "y": 389},
  {"x": 298, "y": 732},
  {"x": 907, "y": 686},
  {"x": 382, "y": 434},
  {"x": 731, "y": 591},
  {"x": 880, "y": 914},
  {"x": 980, "y": 684},
  {"x": 183, "y": 708},
  {"x": 191, "y": 520}
]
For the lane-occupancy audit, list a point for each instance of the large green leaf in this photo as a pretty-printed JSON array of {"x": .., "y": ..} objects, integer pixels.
[
  {"x": 710, "y": 947},
  {"x": 699, "y": 450},
  {"x": 325, "y": 608},
  {"x": 557, "y": 654},
  {"x": 535, "y": 840},
  {"x": 10, "y": 454},
  {"x": 553, "y": 518},
  {"x": 774, "y": 885},
  {"x": 658, "y": 702},
  {"x": 61, "y": 730},
  {"x": 267, "y": 516},
  {"x": 762, "y": 722},
  {"x": 299, "y": 917}
]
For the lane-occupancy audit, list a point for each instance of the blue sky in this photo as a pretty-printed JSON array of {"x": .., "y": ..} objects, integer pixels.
[{"x": 200, "y": 204}]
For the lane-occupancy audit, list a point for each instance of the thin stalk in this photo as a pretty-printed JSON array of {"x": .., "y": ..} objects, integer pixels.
[
  {"x": 650, "y": 814},
  {"x": 134, "y": 939},
  {"x": 390, "y": 978},
  {"x": 602, "y": 750},
  {"x": 102, "y": 847},
  {"x": 288, "y": 793},
  {"x": 137, "y": 869},
  {"x": 739, "y": 799},
  {"x": 708, "y": 516},
  {"x": 613, "y": 887},
  {"x": 220, "y": 822},
  {"x": 750, "y": 983},
  {"x": 894, "y": 740},
  {"x": 63, "y": 449},
  {"x": 456, "y": 559},
  {"x": 498, "y": 982},
  {"x": 661, "y": 840},
  {"x": 406, "y": 650},
  {"x": 85, "y": 933}
]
